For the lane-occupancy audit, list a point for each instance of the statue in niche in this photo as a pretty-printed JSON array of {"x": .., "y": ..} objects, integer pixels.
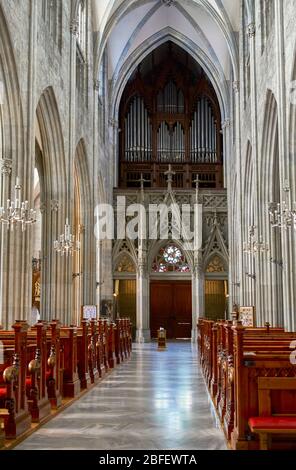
[{"x": 37, "y": 290}]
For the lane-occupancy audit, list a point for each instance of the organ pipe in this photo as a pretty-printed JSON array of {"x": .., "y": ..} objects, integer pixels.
[
  {"x": 138, "y": 134},
  {"x": 170, "y": 141},
  {"x": 203, "y": 133}
]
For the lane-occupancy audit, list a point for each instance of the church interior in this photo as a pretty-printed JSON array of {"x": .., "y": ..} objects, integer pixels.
[{"x": 147, "y": 224}]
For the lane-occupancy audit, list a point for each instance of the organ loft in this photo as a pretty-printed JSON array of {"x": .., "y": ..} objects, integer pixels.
[
  {"x": 170, "y": 114},
  {"x": 147, "y": 230}
]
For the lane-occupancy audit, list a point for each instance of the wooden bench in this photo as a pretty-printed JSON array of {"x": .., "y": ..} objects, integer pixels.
[
  {"x": 13, "y": 382},
  {"x": 231, "y": 358},
  {"x": 268, "y": 424}
]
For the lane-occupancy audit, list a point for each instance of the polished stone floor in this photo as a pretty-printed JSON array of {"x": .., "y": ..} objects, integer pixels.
[{"x": 158, "y": 400}]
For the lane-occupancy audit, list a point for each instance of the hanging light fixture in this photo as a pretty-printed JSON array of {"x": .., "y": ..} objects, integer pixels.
[
  {"x": 281, "y": 215},
  {"x": 16, "y": 211},
  {"x": 252, "y": 246},
  {"x": 67, "y": 243}
]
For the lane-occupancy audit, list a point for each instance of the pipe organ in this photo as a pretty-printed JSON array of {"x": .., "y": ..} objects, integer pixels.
[
  {"x": 203, "y": 133},
  {"x": 170, "y": 116},
  {"x": 138, "y": 132},
  {"x": 170, "y": 143}
]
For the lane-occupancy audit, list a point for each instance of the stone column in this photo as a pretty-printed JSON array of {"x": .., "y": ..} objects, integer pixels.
[
  {"x": 226, "y": 149},
  {"x": 106, "y": 291},
  {"x": 143, "y": 315},
  {"x": 258, "y": 215},
  {"x": 236, "y": 274},
  {"x": 143, "y": 301},
  {"x": 198, "y": 295},
  {"x": 5, "y": 172},
  {"x": 287, "y": 290},
  {"x": 99, "y": 278},
  {"x": 226, "y": 129}
]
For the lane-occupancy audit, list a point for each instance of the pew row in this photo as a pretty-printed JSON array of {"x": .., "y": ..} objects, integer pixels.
[
  {"x": 47, "y": 364},
  {"x": 234, "y": 359}
]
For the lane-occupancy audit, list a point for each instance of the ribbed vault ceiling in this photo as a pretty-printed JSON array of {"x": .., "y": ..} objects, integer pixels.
[{"x": 124, "y": 26}]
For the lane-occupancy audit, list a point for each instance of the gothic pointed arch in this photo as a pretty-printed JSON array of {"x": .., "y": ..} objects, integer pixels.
[
  {"x": 126, "y": 248},
  {"x": 215, "y": 245},
  {"x": 54, "y": 181},
  {"x": 83, "y": 227},
  {"x": 124, "y": 264},
  {"x": 11, "y": 115},
  {"x": 271, "y": 173},
  {"x": 12, "y": 164}
]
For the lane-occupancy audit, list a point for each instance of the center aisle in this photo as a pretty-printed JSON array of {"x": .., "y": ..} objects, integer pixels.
[{"x": 156, "y": 401}]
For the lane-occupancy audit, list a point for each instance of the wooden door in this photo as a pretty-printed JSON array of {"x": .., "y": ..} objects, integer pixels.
[
  {"x": 127, "y": 302},
  {"x": 171, "y": 308},
  {"x": 215, "y": 299}
]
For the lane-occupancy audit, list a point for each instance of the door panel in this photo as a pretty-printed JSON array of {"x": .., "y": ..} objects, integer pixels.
[
  {"x": 183, "y": 309},
  {"x": 171, "y": 308},
  {"x": 215, "y": 299}
]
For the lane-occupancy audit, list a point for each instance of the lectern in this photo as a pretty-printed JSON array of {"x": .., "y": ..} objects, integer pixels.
[{"x": 161, "y": 338}]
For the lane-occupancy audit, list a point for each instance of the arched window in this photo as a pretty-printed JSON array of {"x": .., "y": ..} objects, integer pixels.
[{"x": 170, "y": 259}]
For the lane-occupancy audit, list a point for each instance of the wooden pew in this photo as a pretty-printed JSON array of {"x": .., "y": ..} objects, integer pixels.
[
  {"x": 83, "y": 343},
  {"x": 269, "y": 423},
  {"x": 246, "y": 374},
  {"x": 92, "y": 353},
  {"x": 54, "y": 374},
  {"x": 38, "y": 402},
  {"x": 71, "y": 382},
  {"x": 233, "y": 393},
  {"x": 111, "y": 346},
  {"x": 103, "y": 328},
  {"x": 3, "y": 414},
  {"x": 13, "y": 382},
  {"x": 99, "y": 334}
]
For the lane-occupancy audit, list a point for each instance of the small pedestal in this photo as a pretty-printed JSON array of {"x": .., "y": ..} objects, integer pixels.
[{"x": 161, "y": 339}]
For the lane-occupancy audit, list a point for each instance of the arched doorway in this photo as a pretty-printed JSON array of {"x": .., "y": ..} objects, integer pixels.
[{"x": 171, "y": 293}]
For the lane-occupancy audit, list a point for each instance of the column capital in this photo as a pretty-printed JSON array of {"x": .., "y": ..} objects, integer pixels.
[
  {"x": 251, "y": 30},
  {"x": 74, "y": 27},
  {"x": 226, "y": 124},
  {"x": 113, "y": 123},
  {"x": 5, "y": 166},
  {"x": 43, "y": 208},
  {"x": 236, "y": 85},
  {"x": 54, "y": 205},
  {"x": 97, "y": 85}
]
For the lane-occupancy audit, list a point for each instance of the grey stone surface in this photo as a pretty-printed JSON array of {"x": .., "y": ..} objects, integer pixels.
[{"x": 156, "y": 401}]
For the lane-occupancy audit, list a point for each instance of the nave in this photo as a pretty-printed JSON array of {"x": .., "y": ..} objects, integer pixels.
[{"x": 157, "y": 400}]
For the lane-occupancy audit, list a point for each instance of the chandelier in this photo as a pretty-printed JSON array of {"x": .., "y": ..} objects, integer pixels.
[
  {"x": 16, "y": 211},
  {"x": 280, "y": 214},
  {"x": 252, "y": 246},
  {"x": 67, "y": 243}
]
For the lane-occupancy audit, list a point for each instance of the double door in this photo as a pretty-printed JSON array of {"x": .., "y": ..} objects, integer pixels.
[{"x": 171, "y": 308}]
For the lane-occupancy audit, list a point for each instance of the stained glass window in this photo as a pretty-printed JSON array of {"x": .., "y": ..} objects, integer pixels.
[{"x": 170, "y": 259}]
